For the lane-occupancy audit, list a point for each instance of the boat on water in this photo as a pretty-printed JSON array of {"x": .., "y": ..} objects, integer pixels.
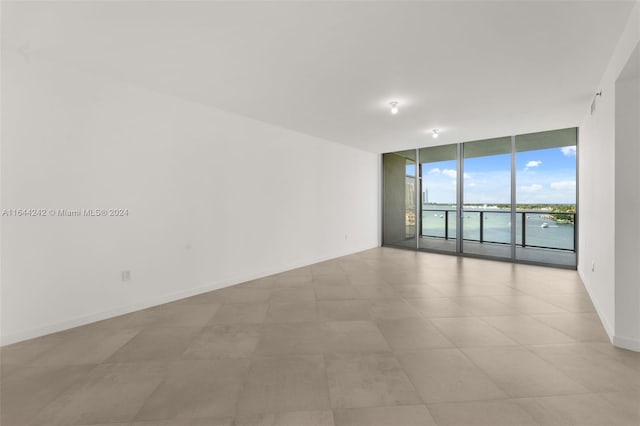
[{"x": 544, "y": 225}]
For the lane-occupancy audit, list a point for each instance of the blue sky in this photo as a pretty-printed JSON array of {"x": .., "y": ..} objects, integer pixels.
[{"x": 543, "y": 176}]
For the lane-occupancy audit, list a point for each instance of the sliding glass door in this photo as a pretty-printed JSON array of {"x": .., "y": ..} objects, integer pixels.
[
  {"x": 546, "y": 197},
  {"x": 505, "y": 198},
  {"x": 438, "y": 197},
  {"x": 486, "y": 210}
]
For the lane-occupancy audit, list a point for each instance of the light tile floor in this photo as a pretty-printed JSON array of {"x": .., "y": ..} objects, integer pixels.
[{"x": 382, "y": 337}]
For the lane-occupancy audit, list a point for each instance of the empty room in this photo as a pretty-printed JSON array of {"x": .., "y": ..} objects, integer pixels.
[{"x": 320, "y": 213}]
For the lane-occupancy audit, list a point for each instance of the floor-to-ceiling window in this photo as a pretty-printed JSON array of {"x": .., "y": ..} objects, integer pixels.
[
  {"x": 399, "y": 199},
  {"x": 486, "y": 208},
  {"x": 545, "y": 179},
  {"x": 438, "y": 197},
  {"x": 510, "y": 198}
]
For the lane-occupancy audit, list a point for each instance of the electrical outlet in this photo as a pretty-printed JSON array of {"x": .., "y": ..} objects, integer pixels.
[{"x": 125, "y": 276}]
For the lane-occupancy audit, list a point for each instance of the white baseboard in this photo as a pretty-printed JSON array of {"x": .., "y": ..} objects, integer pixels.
[
  {"x": 627, "y": 343},
  {"x": 159, "y": 300},
  {"x": 106, "y": 314},
  {"x": 608, "y": 328}
]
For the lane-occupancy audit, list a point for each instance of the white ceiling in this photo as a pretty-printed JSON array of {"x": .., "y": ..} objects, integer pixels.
[{"x": 328, "y": 69}]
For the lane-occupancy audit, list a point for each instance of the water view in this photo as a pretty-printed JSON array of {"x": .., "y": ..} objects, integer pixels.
[
  {"x": 535, "y": 172},
  {"x": 543, "y": 227}
]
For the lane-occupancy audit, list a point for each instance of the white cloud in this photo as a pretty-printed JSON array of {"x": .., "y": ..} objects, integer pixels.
[
  {"x": 565, "y": 184},
  {"x": 434, "y": 171},
  {"x": 531, "y": 188},
  {"x": 452, "y": 173},
  {"x": 568, "y": 151},
  {"x": 532, "y": 163}
]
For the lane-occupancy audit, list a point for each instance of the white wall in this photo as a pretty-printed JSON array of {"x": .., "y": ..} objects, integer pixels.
[
  {"x": 213, "y": 198},
  {"x": 627, "y": 194},
  {"x": 597, "y": 193}
]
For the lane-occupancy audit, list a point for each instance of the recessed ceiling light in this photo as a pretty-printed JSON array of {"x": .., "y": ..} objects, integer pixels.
[
  {"x": 435, "y": 133},
  {"x": 394, "y": 107}
]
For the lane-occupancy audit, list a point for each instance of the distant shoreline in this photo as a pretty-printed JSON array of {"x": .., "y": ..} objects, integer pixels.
[
  {"x": 559, "y": 213},
  {"x": 562, "y": 208}
]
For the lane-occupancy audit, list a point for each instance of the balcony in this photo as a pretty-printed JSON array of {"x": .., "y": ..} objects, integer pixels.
[{"x": 541, "y": 236}]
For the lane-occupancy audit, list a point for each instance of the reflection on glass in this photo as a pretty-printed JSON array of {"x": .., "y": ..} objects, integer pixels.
[{"x": 399, "y": 213}]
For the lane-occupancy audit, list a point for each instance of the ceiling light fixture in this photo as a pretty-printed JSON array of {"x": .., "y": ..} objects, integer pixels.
[
  {"x": 435, "y": 133},
  {"x": 394, "y": 107}
]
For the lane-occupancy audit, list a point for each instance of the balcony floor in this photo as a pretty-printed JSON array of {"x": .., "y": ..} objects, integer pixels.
[{"x": 493, "y": 250}]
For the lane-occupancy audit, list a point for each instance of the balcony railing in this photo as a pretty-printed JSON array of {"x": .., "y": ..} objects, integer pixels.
[{"x": 538, "y": 229}]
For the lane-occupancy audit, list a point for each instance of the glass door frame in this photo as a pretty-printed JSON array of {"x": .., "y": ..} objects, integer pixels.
[
  {"x": 455, "y": 214},
  {"x": 459, "y": 235},
  {"x": 460, "y": 205}
]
